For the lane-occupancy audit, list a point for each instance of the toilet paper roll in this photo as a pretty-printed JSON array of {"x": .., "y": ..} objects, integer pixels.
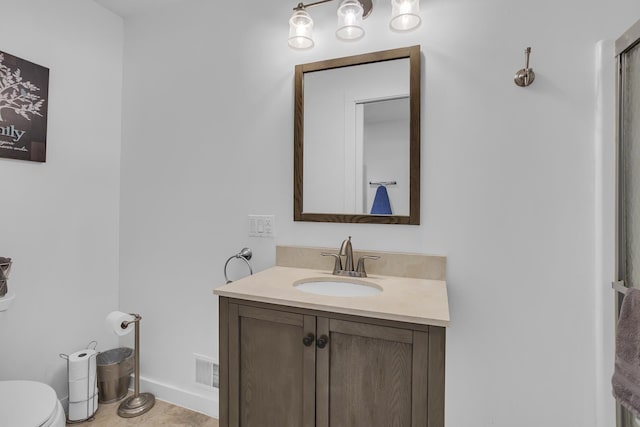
[
  {"x": 80, "y": 411},
  {"x": 82, "y": 365},
  {"x": 114, "y": 322},
  {"x": 82, "y": 390}
]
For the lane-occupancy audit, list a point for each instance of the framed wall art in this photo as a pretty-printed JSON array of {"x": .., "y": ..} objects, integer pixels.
[{"x": 24, "y": 93}]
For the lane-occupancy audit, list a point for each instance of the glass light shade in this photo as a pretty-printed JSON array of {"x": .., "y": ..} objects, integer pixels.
[
  {"x": 405, "y": 15},
  {"x": 300, "y": 30},
  {"x": 350, "y": 20}
]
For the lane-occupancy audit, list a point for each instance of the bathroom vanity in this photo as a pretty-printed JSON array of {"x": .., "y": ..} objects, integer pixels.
[{"x": 290, "y": 357}]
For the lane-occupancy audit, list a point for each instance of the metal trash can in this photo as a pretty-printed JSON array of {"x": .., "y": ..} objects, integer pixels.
[{"x": 114, "y": 368}]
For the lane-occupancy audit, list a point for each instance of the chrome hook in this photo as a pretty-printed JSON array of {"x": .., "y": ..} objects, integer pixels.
[{"x": 525, "y": 76}]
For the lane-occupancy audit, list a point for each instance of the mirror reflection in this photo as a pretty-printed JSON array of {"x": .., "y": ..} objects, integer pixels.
[
  {"x": 357, "y": 138},
  {"x": 356, "y": 131},
  {"x": 385, "y": 157}
]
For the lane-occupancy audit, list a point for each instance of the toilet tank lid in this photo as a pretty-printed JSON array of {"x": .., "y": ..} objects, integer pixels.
[{"x": 26, "y": 403}]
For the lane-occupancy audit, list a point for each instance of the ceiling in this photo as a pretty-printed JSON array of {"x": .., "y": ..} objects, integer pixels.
[{"x": 128, "y": 8}]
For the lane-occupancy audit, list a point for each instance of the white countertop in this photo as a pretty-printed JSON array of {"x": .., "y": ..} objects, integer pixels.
[{"x": 402, "y": 299}]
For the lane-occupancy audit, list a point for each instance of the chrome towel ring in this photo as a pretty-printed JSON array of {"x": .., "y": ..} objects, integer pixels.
[{"x": 245, "y": 254}]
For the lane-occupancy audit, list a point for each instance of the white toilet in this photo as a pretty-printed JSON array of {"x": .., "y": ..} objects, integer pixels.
[{"x": 29, "y": 404}]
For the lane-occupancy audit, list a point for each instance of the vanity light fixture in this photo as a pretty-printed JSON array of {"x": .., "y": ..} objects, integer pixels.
[
  {"x": 300, "y": 29},
  {"x": 405, "y": 16},
  {"x": 350, "y": 20}
]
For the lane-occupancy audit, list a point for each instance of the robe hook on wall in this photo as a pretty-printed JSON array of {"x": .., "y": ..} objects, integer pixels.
[{"x": 525, "y": 76}]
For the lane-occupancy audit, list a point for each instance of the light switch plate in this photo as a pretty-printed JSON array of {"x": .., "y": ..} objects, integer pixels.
[{"x": 261, "y": 226}]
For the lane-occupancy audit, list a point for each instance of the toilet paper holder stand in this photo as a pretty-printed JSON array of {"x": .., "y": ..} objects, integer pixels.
[
  {"x": 138, "y": 403},
  {"x": 91, "y": 398}
]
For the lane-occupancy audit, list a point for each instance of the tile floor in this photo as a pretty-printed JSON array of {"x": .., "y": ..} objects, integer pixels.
[{"x": 162, "y": 414}]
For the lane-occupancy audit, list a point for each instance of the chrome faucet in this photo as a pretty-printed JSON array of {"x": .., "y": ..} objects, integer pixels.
[{"x": 346, "y": 250}]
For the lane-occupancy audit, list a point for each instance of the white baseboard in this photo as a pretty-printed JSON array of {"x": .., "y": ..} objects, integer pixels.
[{"x": 205, "y": 402}]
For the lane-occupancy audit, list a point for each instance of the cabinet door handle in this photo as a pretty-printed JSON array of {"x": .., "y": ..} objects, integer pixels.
[
  {"x": 322, "y": 341},
  {"x": 308, "y": 340}
]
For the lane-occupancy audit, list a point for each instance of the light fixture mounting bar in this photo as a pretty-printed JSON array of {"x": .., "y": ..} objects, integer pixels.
[
  {"x": 367, "y": 6},
  {"x": 315, "y": 3}
]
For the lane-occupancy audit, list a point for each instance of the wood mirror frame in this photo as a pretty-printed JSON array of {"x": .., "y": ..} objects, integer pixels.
[{"x": 413, "y": 53}]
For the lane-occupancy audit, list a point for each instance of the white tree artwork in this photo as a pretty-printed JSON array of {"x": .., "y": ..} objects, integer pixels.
[{"x": 18, "y": 95}]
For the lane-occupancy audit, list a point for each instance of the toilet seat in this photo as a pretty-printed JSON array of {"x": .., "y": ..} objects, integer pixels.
[{"x": 29, "y": 404}]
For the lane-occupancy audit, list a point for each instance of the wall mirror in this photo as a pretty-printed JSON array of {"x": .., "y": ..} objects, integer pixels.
[{"x": 357, "y": 139}]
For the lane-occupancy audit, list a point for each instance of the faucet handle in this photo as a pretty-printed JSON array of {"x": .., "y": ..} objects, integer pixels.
[
  {"x": 360, "y": 267},
  {"x": 337, "y": 266}
]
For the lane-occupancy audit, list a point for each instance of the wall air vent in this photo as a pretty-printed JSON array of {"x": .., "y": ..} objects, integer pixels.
[{"x": 207, "y": 371}]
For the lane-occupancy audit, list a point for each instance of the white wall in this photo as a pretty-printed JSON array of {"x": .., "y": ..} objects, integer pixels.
[
  {"x": 605, "y": 239},
  {"x": 507, "y": 186},
  {"x": 59, "y": 220}
]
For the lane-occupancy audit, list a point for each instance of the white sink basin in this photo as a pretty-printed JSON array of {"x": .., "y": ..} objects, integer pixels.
[{"x": 340, "y": 288}]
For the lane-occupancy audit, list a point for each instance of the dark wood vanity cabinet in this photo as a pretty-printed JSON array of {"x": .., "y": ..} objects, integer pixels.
[{"x": 288, "y": 367}]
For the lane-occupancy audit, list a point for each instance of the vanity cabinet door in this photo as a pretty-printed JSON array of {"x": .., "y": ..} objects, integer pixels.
[
  {"x": 351, "y": 372},
  {"x": 271, "y": 370},
  {"x": 370, "y": 375}
]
